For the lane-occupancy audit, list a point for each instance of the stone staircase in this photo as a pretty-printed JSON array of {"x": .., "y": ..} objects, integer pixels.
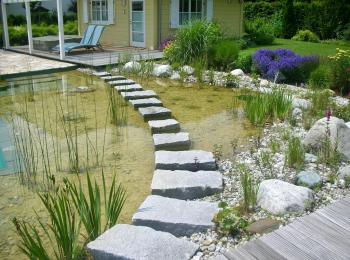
[{"x": 180, "y": 176}]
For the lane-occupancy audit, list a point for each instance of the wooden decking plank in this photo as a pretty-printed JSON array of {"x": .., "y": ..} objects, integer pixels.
[
  {"x": 322, "y": 223},
  {"x": 336, "y": 219},
  {"x": 236, "y": 254},
  {"x": 260, "y": 250},
  {"x": 341, "y": 207}
]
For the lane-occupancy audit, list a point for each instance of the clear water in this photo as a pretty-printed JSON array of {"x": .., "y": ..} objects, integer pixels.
[{"x": 3, "y": 164}]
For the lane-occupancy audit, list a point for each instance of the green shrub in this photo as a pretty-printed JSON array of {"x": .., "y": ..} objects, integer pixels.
[
  {"x": 223, "y": 54},
  {"x": 346, "y": 33},
  {"x": 320, "y": 78},
  {"x": 295, "y": 153},
  {"x": 192, "y": 42},
  {"x": 260, "y": 31},
  {"x": 289, "y": 22},
  {"x": 306, "y": 36},
  {"x": 244, "y": 62},
  {"x": 340, "y": 71}
]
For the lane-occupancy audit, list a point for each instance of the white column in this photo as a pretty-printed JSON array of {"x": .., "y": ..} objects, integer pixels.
[
  {"x": 5, "y": 26},
  {"x": 60, "y": 28},
  {"x": 29, "y": 26}
]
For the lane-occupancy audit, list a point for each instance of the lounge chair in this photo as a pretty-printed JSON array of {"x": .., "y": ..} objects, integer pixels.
[{"x": 90, "y": 40}]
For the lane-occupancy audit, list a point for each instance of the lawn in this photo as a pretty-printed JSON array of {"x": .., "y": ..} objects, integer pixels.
[{"x": 302, "y": 48}]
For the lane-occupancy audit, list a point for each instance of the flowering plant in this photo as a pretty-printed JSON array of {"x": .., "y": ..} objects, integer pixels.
[
  {"x": 340, "y": 76},
  {"x": 284, "y": 65}
]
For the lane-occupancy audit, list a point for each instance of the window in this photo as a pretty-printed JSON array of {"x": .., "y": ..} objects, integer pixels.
[
  {"x": 102, "y": 11},
  {"x": 190, "y": 10}
]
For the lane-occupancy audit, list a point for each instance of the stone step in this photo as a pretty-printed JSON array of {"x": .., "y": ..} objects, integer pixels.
[
  {"x": 151, "y": 113},
  {"x": 178, "y": 217},
  {"x": 164, "y": 126},
  {"x": 138, "y": 94},
  {"x": 101, "y": 73},
  {"x": 128, "y": 88},
  {"x": 146, "y": 102},
  {"x": 193, "y": 160},
  {"x": 135, "y": 242},
  {"x": 186, "y": 185},
  {"x": 113, "y": 78},
  {"x": 121, "y": 82},
  {"x": 172, "y": 141}
]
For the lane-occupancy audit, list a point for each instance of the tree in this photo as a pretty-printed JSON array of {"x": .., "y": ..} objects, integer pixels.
[{"x": 289, "y": 21}]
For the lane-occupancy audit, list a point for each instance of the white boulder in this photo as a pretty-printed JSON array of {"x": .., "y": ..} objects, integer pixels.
[
  {"x": 175, "y": 76},
  {"x": 162, "y": 71},
  {"x": 264, "y": 83},
  {"x": 344, "y": 172},
  {"x": 187, "y": 69},
  {"x": 132, "y": 66},
  {"x": 237, "y": 72},
  {"x": 348, "y": 124},
  {"x": 279, "y": 197}
]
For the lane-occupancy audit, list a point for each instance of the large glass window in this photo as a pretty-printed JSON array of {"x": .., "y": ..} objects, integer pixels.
[
  {"x": 190, "y": 10},
  {"x": 99, "y": 10}
]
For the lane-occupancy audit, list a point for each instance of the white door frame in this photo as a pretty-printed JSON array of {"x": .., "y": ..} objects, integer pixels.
[{"x": 132, "y": 43}]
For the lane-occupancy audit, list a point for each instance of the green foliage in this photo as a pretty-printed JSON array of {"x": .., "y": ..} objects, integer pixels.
[
  {"x": 306, "y": 36},
  {"x": 289, "y": 23},
  {"x": 228, "y": 220},
  {"x": 249, "y": 188},
  {"x": 244, "y": 62},
  {"x": 260, "y": 31},
  {"x": 320, "y": 78},
  {"x": 295, "y": 153},
  {"x": 223, "y": 54},
  {"x": 192, "y": 42},
  {"x": 320, "y": 102},
  {"x": 340, "y": 71},
  {"x": 231, "y": 81}
]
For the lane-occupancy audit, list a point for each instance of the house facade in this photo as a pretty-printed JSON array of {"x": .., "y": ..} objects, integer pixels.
[{"x": 147, "y": 23}]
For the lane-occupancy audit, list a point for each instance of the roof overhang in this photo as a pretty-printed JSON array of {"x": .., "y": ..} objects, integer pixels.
[{"x": 21, "y": 1}]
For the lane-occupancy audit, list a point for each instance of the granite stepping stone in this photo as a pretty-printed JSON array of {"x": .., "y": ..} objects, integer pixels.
[
  {"x": 186, "y": 185},
  {"x": 138, "y": 94},
  {"x": 135, "y": 242},
  {"x": 128, "y": 88},
  {"x": 121, "y": 82},
  {"x": 193, "y": 160},
  {"x": 172, "y": 142},
  {"x": 101, "y": 74},
  {"x": 146, "y": 102},
  {"x": 178, "y": 217},
  {"x": 113, "y": 78},
  {"x": 164, "y": 126},
  {"x": 151, "y": 113}
]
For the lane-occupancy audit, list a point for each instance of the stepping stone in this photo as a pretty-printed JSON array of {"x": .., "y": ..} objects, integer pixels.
[
  {"x": 112, "y": 78},
  {"x": 193, "y": 160},
  {"x": 101, "y": 74},
  {"x": 186, "y": 185},
  {"x": 134, "y": 242},
  {"x": 164, "y": 126},
  {"x": 178, "y": 217},
  {"x": 121, "y": 82},
  {"x": 173, "y": 142},
  {"x": 150, "y": 113},
  {"x": 128, "y": 88},
  {"x": 146, "y": 102},
  {"x": 138, "y": 94}
]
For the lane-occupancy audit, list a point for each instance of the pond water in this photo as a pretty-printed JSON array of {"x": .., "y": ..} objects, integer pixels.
[{"x": 37, "y": 105}]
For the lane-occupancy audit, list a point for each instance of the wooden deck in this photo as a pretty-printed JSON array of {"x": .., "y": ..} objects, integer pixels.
[
  {"x": 95, "y": 58},
  {"x": 324, "y": 234}
]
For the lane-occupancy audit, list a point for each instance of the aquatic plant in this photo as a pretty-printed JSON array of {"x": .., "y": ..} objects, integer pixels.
[
  {"x": 295, "y": 154},
  {"x": 117, "y": 108},
  {"x": 249, "y": 189}
]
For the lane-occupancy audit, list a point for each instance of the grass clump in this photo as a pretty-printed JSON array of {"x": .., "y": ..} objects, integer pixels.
[
  {"x": 295, "y": 153},
  {"x": 249, "y": 188}
]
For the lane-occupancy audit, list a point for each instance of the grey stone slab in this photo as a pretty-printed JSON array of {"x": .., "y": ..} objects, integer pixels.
[
  {"x": 138, "y": 94},
  {"x": 101, "y": 73},
  {"x": 146, "y": 102},
  {"x": 134, "y": 242},
  {"x": 164, "y": 126},
  {"x": 112, "y": 78},
  {"x": 186, "y": 185},
  {"x": 151, "y": 113},
  {"x": 128, "y": 88},
  {"x": 121, "y": 82},
  {"x": 178, "y": 217},
  {"x": 172, "y": 141},
  {"x": 193, "y": 160}
]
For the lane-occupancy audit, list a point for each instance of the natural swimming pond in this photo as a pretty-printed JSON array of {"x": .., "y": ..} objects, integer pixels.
[{"x": 46, "y": 109}]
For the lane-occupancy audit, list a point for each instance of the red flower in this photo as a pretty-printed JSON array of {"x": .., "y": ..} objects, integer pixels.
[{"x": 328, "y": 114}]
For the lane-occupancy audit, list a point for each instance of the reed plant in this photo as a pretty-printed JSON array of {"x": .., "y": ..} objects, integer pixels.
[
  {"x": 117, "y": 108},
  {"x": 249, "y": 189},
  {"x": 295, "y": 153}
]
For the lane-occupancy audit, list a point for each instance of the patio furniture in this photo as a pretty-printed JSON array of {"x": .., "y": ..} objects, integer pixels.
[
  {"x": 46, "y": 43},
  {"x": 90, "y": 40}
]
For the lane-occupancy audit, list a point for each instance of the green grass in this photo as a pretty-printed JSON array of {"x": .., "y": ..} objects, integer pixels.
[{"x": 302, "y": 48}]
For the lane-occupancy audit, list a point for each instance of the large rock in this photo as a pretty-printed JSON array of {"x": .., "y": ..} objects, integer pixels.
[
  {"x": 188, "y": 70},
  {"x": 178, "y": 217},
  {"x": 237, "y": 72},
  {"x": 162, "y": 71},
  {"x": 193, "y": 160},
  {"x": 139, "y": 94},
  {"x": 164, "y": 126},
  {"x": 132, "y": 66},
  {"x": 339, "y": 135},
  {"x": 172, "y": 141},
  {"x": 348, "y": 124},
  {"x": 146, "y": 102},
  {"x": 309, "y": 179},
  {"x": 151, "y": 113},
  {"x": 128, "y": 88},
  {"x": 344, "y": 172},
  {"x": 132, "y": 242},
  {"x": 186, "y": 185},
  {"x": 279, "y": 197}
]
